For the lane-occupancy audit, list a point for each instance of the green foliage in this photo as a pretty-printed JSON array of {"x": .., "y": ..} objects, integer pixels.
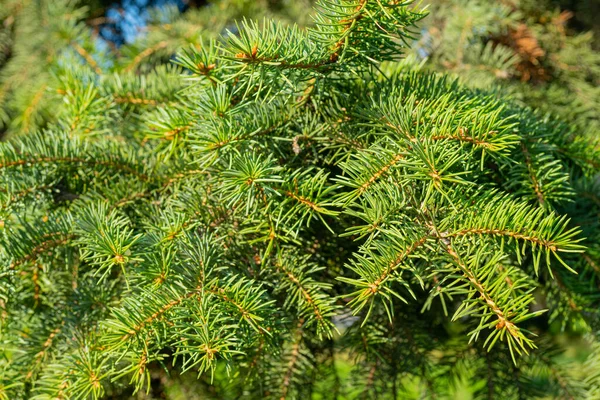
[
  {"x": 294, "y": 213},
  {"x": 523, "y": 48}
]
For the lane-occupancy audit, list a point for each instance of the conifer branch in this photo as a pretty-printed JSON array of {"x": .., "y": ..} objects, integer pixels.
[
  {"x": 504, "y": 322},
  {"x": 87, "y": 57},
  {"x": 532, "y": 175},
  {"x": 145, "y": 54},
  {"x": 48, "y": 244}
]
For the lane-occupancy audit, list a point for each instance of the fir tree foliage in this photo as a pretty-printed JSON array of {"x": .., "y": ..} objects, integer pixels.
[
  {"x": 280, "y": 201},
  {"x": 524, "y": 48}
]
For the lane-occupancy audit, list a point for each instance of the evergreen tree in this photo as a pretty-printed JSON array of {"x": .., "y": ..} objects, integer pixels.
[{"x": 286, "y": 213}]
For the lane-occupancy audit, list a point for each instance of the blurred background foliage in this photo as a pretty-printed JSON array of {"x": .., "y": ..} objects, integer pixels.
[{"x": 542, "y": 53}]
